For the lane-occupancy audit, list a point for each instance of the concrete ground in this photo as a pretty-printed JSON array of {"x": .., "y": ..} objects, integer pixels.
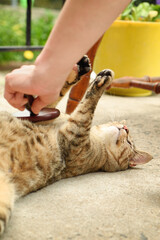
[{"x": 100, "y": 206}]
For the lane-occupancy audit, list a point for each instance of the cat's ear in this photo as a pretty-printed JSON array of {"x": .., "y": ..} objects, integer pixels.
[{"x": 140, "y": 158}]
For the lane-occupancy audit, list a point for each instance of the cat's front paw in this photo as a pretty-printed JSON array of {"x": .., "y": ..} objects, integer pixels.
[
  {"x": 84, "y": 66},
  {"x": 105, "y": 77}
]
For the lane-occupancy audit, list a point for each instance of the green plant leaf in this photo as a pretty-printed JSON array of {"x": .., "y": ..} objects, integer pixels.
[{"x": 142, "y": 12}]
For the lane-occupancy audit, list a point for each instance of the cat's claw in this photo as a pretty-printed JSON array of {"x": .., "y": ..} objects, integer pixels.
[{"x": 104, "y": 77}]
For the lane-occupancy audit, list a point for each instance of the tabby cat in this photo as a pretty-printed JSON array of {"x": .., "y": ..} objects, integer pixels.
[{"x": 35, "y": 155}]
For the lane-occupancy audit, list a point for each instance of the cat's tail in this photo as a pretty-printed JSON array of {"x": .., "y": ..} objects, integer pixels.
[{"x": 7, "y": 198}]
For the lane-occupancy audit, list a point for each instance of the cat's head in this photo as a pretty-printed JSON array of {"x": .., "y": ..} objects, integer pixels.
[{"x": 121, "y": 151}]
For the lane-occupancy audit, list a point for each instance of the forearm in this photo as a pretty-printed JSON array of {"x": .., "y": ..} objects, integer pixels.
[{"x": 79, "y": 26}]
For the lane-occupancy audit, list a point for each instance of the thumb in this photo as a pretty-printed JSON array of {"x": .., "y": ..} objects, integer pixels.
[{"x": 37, "y": 105}]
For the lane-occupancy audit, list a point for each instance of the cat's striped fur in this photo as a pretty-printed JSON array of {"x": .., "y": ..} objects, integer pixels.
[{"x": 33, "y": 156}]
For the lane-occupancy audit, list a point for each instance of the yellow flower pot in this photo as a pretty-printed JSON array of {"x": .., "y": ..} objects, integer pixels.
[{"x": 130, "y": 49}]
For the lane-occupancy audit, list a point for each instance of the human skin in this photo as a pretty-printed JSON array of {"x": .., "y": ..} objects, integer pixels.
[{"x": 80, "y": 24}]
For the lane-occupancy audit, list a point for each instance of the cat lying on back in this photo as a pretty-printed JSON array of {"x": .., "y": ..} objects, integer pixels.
[{"x": 35, "y": 155}]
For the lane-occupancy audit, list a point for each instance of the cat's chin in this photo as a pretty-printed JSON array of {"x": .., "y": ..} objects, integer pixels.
[
  {"x": 115, "y": 135},
  {"x": 109, "y": 131},
  {"x": 110, "y": 134}
]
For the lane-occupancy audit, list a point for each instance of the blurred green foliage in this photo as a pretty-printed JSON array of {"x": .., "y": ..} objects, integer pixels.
[
  {"x": 142, "y": 12},
  {"x": 137, "y": 2},
  {"x": 54, "y": 4},
  {"x": 12, "y": 31}
]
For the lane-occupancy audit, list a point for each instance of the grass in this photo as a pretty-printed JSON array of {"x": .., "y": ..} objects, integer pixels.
[{"x": 12, "y": 31}]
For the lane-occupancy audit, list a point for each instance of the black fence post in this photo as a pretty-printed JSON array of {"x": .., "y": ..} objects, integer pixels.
[{"x": 28, "y": 23}]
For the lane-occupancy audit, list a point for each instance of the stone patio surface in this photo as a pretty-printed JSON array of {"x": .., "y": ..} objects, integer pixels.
[{"x": 99, "y": 206}]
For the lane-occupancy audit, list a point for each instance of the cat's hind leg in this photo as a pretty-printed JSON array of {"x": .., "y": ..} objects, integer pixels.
[
  {"x": 7, "y": 198},
  {"x": 81, "y": 68}
]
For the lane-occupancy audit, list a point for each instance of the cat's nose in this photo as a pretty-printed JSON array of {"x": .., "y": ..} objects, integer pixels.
[{"x": 126, "y": 128}]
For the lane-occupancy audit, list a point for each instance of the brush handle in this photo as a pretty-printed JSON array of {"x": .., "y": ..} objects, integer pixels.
[{"x": 29, "y": 104}]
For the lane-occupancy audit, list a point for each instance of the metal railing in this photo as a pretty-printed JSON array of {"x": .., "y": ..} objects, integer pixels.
[{"x": 28, "y": 35}]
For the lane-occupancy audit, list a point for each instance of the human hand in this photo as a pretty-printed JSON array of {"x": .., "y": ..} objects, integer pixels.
[{"x": 33, "y": 80}]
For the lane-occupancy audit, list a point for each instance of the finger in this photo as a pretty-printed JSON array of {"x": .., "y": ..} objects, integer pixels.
[
  {"x": 15, "y": 83},
  {"x": 8, "y": 95},
  {"x": 26, "y": 67},
  {"x": 21, "y": 108},
  {"x": 37, "y": 105},
  {"x": 17, "y": 100},
  {"x": 8, "y": 91}
]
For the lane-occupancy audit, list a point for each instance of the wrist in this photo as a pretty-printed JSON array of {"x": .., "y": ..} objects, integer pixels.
[
  {"x": 52, "y": 62},
  {"x": 49, "y": 76}
]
